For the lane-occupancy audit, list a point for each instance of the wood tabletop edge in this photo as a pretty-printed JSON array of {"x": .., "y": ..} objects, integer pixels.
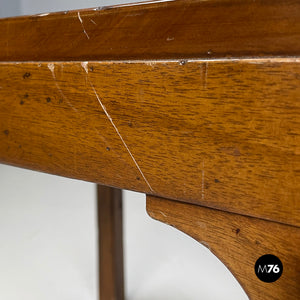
[
  {"x": 156, "y": 30},
  {"x": 180, "y": 61}
]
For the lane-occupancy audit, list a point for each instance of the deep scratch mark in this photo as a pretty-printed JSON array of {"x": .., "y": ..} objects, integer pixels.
[
  {"x": 115, "y": 127},
  {"x": 79, "y": 18},
  {"x": 84, "y": 65},
  {"x": 117, "y": 131},
  {"x": 51, "y": 67},
  {"x": 93, "y": 21}
]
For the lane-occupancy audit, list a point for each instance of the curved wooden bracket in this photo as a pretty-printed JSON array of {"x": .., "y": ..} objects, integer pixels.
[{"x": 238, "y": 241}]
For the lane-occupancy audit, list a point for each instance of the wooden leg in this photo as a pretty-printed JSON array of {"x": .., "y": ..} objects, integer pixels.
[
  {"x": 238, "y": 241},
  {"x": 111, "y": 275}
]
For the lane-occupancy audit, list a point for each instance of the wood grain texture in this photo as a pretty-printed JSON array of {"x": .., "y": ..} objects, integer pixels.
[
  {"x": 238, "y": 241},
  {"x": 172, "y": 29},
  {"x": 223, "y": 134},
  {"x": 111, "y": 273}
]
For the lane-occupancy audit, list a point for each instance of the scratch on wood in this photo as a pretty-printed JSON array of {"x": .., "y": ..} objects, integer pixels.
[
  {"x": 43, "y": 15},
  {"x": 150, "y": 63},
  {"x": 163, "y": 214},
  {"x": 170, "y": 39},
  {"x": 51, "y": 67},
  {"x": 117, "y": 131},
  {"x": 120, "y": 136},
  {"x": 79, "y": 18},
  {"x": 93, "y": 21},
  {"x": 202, "y": 186},
  {"x": 84, "y": 64}
]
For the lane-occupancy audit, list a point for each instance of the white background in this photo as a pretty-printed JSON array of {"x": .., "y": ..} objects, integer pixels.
[{"x": 48, "y": 236}]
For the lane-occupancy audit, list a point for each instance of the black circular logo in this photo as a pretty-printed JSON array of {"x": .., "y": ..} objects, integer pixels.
[{"x": 268, "y": 268}]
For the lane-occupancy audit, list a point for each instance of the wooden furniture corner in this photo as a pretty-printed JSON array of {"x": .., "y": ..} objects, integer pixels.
[{"x": 195, "y": 103}]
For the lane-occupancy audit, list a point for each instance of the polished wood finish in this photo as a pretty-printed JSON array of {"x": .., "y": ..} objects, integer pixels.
[
  {"x": 196, "y": 125},
  {"x": 111, "y": 275},
  {"x": 238, "y": 241},
  {"x": 165, "y": 29},
  {"x": 241, "y": 131},
  {"x": 223, "y": 134}
]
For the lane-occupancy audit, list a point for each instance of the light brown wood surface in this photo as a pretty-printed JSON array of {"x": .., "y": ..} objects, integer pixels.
[
  {"x": 110, "y": 218},
  {"x": 238, "y": 241},
  {"x": 171, "y": 29},
  {"x": 223, "y": 134}
]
